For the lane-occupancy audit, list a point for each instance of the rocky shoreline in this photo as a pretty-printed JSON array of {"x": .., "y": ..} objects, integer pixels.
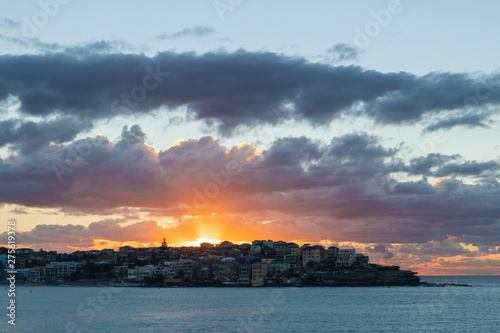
[{"x": 375, "y": 279}]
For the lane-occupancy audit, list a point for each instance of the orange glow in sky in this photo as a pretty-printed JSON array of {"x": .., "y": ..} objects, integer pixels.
[{"x": 203, "y": 240}]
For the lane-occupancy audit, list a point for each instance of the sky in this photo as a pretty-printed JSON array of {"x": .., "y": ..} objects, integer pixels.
[{"x": 371, "y": 125}]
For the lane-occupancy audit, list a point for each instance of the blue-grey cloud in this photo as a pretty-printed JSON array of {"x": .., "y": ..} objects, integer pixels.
[
  {"x": 197, "y": 31},
  {"x": 9, "y": 23},
  {"x": 28, "y": 136},
  {"x": 230, "y": 90},
  {"x": 342, "y": 52},
  {"x": 468, "y": 120},
  {"x": 439, "y": 165}
]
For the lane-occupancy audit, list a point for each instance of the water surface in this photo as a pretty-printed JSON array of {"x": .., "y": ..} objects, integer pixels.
[{"x": 369, "y": 309}]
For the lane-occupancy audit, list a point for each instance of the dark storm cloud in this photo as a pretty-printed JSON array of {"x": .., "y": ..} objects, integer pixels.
[{"x": 230, "y": 90}]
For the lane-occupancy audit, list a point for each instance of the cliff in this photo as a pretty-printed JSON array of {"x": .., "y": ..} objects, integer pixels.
[{"x": 366, "y": 279}]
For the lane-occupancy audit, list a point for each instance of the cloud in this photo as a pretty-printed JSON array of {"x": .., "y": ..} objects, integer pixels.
[
  {"x": 342, "y": 190},
  {"x": 17, "y": 41},
  {"x": 439, "y": 165},
  {"x": 422, "y": 165},
  {"x": 342, "y": 52},
  {"x": 110, "y": 230},
  {"x": 20, "y": 43},
  {"x": 230, "y": 90},
  {"x": 143, "y": 231},
  {"x": 472, "y": 120},
  {"x": 471, "y": 168},
  {"x": 19, "y": 210},
  {"x": 6, "y": 22},
  {"x": 42, "y": 234},
  {"x": 28, "y": 136},
  {"x": 197, "y": 32},
  {"x": 433, "y": 249},
  {"x": 432, "y": 257},
  {"x": 381, "y": 249}
]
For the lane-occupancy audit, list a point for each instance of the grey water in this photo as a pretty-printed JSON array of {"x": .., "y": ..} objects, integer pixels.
[{"x": 311, "y": 309}]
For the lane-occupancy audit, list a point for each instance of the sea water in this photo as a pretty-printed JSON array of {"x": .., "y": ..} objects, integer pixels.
[{"x": 309, "y": 309}]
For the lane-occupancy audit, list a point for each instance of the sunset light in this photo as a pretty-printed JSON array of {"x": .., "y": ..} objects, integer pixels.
[
  {"x": 203, "y": 240},
  {"x": 172, "y": 149}
]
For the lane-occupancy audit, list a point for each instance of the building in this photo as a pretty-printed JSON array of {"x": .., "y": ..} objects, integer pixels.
[
  {"x": 235, "y": 253},
  {"x": 30, "y": 274},
  {"x": 145, "y": 272},
  {"x": 255, "y": 249},
  {"x": 126, "y": 248},
  {"x": 41, "y": 269},
  {"x": 228, "y": 259},
  {"x": 3, "y": 260},
  {"x": 268, "y": 260},
  {"x": 331, "y": 255},
  {"x": 278, "y": 267},
  {"x": 25, "y": 252},
  {"x": 293, "y": 254},
  {"x": 169, "y": 272},
  {"x": 110, "y": 252},
  {"x": 346, "y": 257},
  {"x": 262, "y": 263},
  {"x": 225, "y": 244},
  {"x": 186, "y": 268},
  {"x": 120, "y": 271},
  {"x": 315, "y": 254},
  {"x": 244, "y": 274},
  {"x": 203, "y": 272},
  {"x": 269, "y": 243},
  {"x": 259, "y": 273},
  {"x": 225, "y": 272},
  {"x": 281, "y": 248},
  {"x": 61, "y": 270},
  {"x": 131, "y": 274}
]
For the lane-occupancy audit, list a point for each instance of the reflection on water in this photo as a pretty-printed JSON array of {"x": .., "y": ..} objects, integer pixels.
[{"x": 371, "y": 309}]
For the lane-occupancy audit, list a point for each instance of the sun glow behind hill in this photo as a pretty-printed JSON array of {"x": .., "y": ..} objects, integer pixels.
[{"x": 203, "y": 240}]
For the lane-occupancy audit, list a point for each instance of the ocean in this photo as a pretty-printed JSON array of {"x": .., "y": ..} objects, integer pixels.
[{"x": 312, "y": 309}]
